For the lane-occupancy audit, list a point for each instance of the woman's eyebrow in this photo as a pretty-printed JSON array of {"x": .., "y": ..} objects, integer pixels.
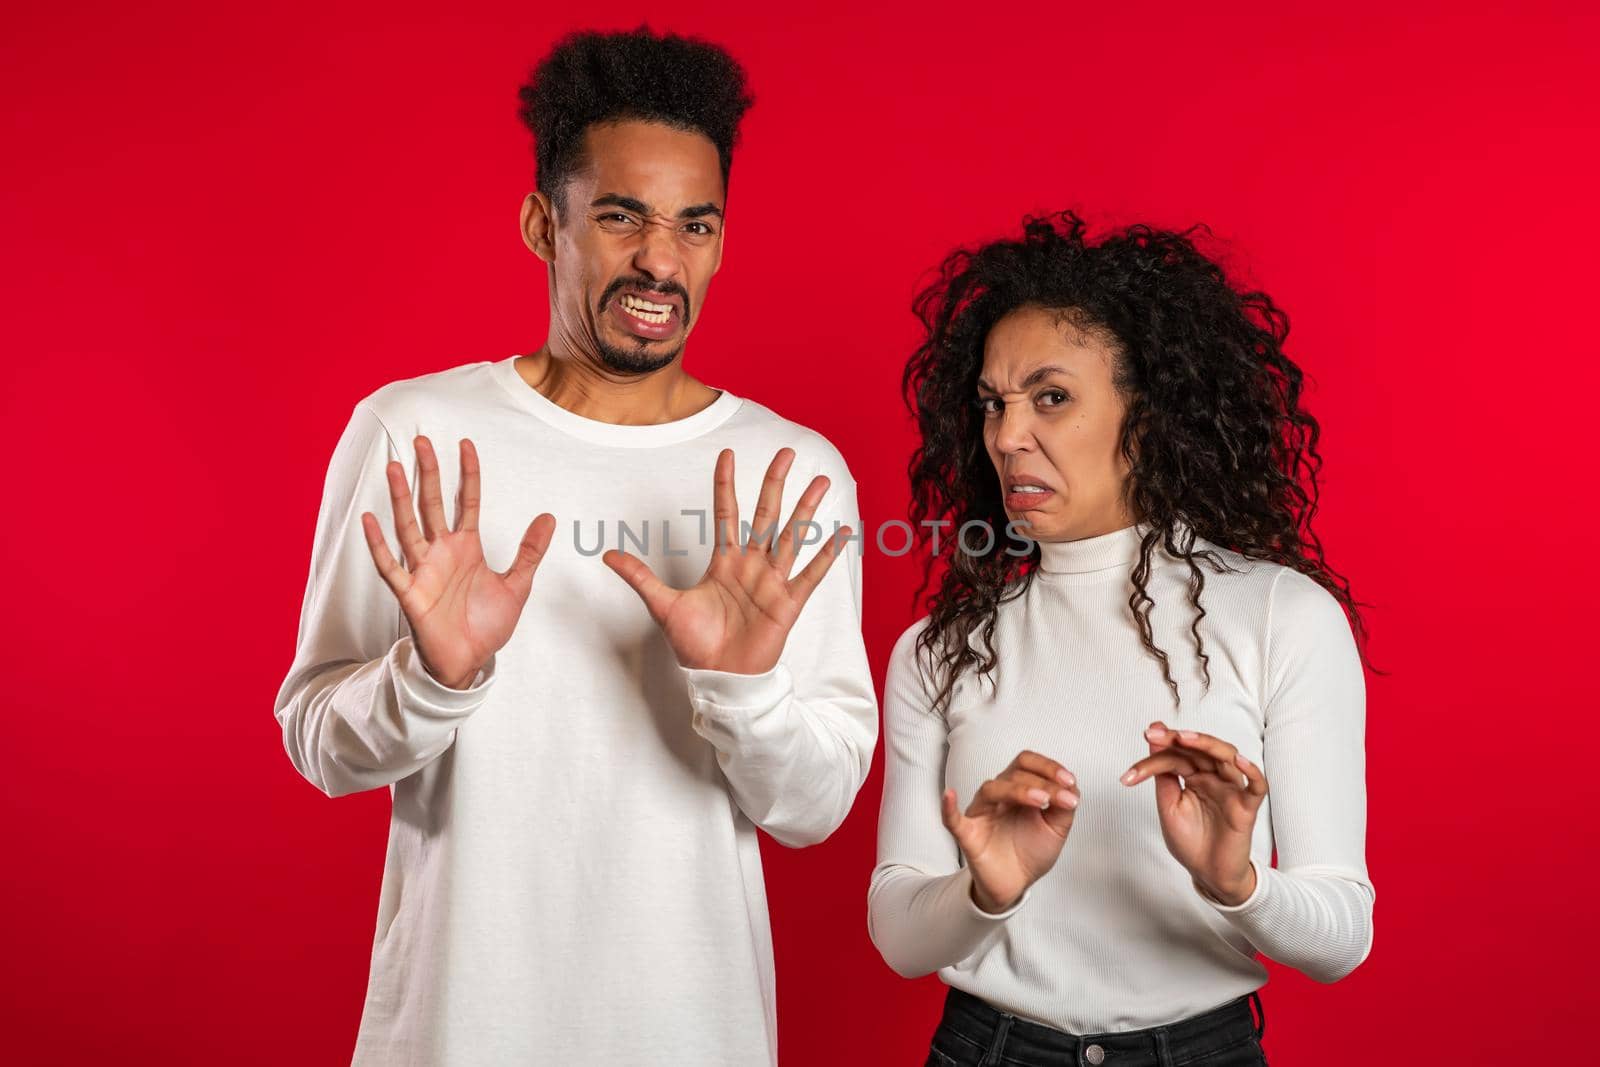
[{"x": 1034, "y": 376}]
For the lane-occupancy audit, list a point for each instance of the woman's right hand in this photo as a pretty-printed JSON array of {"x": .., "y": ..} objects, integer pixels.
[
  {"x": 461, "y": 612},
  {"x": 1013, "y": 830}
]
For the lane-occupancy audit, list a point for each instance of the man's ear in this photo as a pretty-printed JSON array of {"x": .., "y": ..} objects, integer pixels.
[{"x": 539, "y": 225}]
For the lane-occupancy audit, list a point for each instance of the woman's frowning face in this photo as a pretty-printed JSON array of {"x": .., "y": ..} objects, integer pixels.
[{"x": 1052, "y": 423}]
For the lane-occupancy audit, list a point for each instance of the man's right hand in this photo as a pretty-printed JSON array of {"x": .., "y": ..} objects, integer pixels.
[
  {"x": 461, "y": 612},
  {"x": 1014, "y": 828}
]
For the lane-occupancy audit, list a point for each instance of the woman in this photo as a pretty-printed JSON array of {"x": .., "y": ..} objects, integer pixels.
[{"x": 1136, "y": 676}]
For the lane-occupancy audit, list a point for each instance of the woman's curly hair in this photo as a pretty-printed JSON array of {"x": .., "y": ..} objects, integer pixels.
[{"x": 1218, "y": 444}]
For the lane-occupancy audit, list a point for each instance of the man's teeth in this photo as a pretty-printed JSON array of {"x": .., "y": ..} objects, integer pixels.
[
  {"x": 644, "y": 309},
  {"x": 1029, "y": 489}
]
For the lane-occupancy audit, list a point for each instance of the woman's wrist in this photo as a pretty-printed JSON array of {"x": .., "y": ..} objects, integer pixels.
[
  {"x": 988, "y": 903},
  {"x": 1232, "y": 893}
]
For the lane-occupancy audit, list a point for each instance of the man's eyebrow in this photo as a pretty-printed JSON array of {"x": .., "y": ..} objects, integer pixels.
[
  {"x": 626, "y": 203},
  {"x": 639, "y": 207},
  {"x": 1035, "y": 376}
]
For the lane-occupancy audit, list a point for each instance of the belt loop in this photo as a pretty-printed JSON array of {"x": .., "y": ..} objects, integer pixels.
[
  {"x": 1163, "y": 1053},
  {"x": 997, "y": 1046},
  {"x": 1261, "y": 1027}
]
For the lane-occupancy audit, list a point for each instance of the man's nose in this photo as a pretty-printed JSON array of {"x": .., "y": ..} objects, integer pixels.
[{"x": 656, "y": 253}]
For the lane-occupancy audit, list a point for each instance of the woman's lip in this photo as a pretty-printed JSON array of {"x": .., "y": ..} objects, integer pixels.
[
  {"x": 1024, "y": 501},
  {"x": 655, "y": 331}
]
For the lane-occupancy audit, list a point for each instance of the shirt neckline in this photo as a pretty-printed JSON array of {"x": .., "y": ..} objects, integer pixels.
[
  {"x": 1105, "y": 557},
  {"x": 599, "y": 432},
  {"x": 1116, "y": 550}
]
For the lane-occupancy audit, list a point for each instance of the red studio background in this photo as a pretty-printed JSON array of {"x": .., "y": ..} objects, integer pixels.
[{"x": 223, "y": 225}]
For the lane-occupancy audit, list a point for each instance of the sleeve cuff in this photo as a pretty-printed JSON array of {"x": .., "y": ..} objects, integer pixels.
[
  {"x": 425, "y": 691},
  {"x": 988, "y": 916},
  {"x": 1247, "y": 903},
  {"x": 738, "y": 691}
]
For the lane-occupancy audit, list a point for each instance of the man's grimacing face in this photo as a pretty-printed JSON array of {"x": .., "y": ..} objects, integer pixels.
[{"x": 634, "y": 248}]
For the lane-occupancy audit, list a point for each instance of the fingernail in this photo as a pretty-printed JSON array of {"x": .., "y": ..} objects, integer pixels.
[
  {"x": 1238, "y": 757},
  {"x": 1038, "y": 796},
  {"x": 1187, "y": 735},
  {"x": 1066, "y": 799},
  {"x": 1156, "y": 731},
  {"x": 1127, "y": 778},
  {"x": 1064, "y": 776}
]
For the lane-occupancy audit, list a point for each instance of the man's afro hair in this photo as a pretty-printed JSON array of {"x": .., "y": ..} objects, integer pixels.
[{"x": 591, "y": 77}]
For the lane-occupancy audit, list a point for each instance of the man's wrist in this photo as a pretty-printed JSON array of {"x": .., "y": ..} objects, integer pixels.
[{"x": 459, "y": 684}]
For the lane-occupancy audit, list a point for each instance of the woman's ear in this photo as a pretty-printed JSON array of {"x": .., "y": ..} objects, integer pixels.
[{"x": 539, "y": 225}]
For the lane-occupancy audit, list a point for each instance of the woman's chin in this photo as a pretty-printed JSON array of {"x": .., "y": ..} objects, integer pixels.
[{"x": 1036, "y": 524}]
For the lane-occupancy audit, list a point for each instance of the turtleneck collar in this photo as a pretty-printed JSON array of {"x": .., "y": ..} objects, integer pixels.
[{"x": 1116, "y": 550}]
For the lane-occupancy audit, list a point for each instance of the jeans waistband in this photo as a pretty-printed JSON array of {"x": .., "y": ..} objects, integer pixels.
[{"x": 1024, "y": 1040}]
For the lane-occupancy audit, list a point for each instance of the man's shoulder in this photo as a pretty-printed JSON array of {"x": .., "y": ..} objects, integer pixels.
[
  {"x": 405, "y": 401},
  {"x": 767, "y": 430}
]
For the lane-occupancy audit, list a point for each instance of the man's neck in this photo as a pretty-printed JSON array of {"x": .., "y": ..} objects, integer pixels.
[{"x": 665, "y": 395}]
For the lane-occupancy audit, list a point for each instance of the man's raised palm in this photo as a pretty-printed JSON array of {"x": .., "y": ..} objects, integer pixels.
[
  {"x": 738, "y": 616},
  {"x": 460, "y": 610}
]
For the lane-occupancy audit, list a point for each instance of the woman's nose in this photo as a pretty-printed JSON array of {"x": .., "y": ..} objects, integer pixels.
[{"x": 1014, "y": 430}]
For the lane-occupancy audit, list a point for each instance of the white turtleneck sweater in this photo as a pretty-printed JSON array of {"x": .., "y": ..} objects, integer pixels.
[
  {"x": 1118, "y": 936},
  {"x": 573, "y": 874}
]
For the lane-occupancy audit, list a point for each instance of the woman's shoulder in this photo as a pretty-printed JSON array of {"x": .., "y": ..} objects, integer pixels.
[
  {"x": 916, "y": 664},
  {"x": 1266, "y": 589},
  {"x": 1300, "y": 605},
  {"x": 906, "y": 646},
  {"x": 1284, "y": 598},
  {"x": 904, "y": 654},
  {"x": 910, "y": 681},
  {"x": 1223, "y": 568}
]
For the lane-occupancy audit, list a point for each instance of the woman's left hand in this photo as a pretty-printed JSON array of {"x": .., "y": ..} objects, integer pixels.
[{"x": 1207, "y": 820}]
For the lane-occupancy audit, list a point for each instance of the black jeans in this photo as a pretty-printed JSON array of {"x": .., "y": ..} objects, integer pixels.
[{"x": 972, "y": 1033}]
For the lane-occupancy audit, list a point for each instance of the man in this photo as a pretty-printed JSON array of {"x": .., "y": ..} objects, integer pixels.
[{"x": 578, "y": 763}]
